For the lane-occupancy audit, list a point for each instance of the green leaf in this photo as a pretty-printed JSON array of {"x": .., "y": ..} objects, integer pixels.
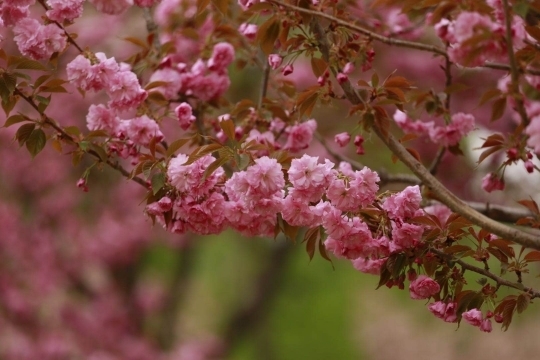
[
  {"x": 23, "y": 133},
  {"x": 36, "y": 142},
  {"x": 177, "y": 144},
  {"x": 28, "y": 64},
  {"x": 14, "y": 119},
  {"x": 158, "y": 181},
  {"x": 98, "y": 150}
]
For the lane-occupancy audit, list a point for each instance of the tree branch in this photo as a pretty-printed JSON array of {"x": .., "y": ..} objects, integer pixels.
[
  {"x": 499, "y": 280},
  {"x": 115, "y": 165},
  {"x": 443, "y": 194},
  {"x": 391, "y": 41}
]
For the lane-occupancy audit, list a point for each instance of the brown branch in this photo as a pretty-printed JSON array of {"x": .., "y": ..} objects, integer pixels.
[
  {"x": 264, "y": 84},
  {"x": 505, "y": 67},
  {"x": 437, "y": 161},
  {"x": 392, "y": 41},
  {"x": 444, "y": 195},
  {"x": 362, "y": 30},
  {"x": 499, "y": 280},
  {"x": 151, "y": 28},
  {"x": 501, "y": 213}
]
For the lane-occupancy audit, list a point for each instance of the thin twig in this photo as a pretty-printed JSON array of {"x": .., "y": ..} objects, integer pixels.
[
  {"x": 392, "y": 41},
  {"x": 264, "y": 84},
  {"x": 69, "y": 38},
  {"x": 502, "y": 213},
  {"x": 362, "y": 30},
  {"x": 436, "y": 161},
  {"x": 46, "y": 119},
  {"x": 499, "y": 280}
]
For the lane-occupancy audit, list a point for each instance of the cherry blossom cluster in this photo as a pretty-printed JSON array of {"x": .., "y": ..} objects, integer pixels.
[
  {"x": 448, "y": 135},
  {"x": 475, "y": 38}
]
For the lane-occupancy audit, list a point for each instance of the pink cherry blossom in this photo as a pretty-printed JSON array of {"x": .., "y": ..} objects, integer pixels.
[
  {"x": 146, "y": 3},
  {"x": 112, "y": 7},
  {"x": 64, "y": 9},
  {"x": 141, "y": 130},
  {"x": 299, "y": 136},
  {"x": 445, "y": 311},
  {"x": 11, "y": 14},
  {"x": 342, "y": 139},
  {"x": 307, "y": 175},
  {"x": 473, "y": 317},
  {"x": 188, "y": 179},
  {"x": 100, "y": 117},
  {"x": 265, "y": 177},
  {"x": 405, "y": 236},
  {"x": 125, "y": 91},
  {"x": 450, "y": 135},
  {"x": 274, "y": 60},
  {"x": 369, "y": 266},
  {"x": 159, "y": 207},
  {"x": 287, "y": 70},
  {"x": 184, "y": 112},
  {"x": 348, "y": 68},
  {"x": 486, "y": 325},
  {"x": 404, "y": 204},
  {"x": 423, "y": 288},
  {"x": 491, "y": 182},
  {"x": 38, "y": 41},
  {"x": 87, "y": 76},
  {"x": 174, "y": 81},
  {"x": 222, "y": 56},
  {"x": 248, "y": 30}
]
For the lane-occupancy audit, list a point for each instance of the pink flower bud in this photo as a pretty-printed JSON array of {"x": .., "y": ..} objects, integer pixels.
[
  {"x": 81, "y": 184},
  {"x": 248, "y": 30},
  {"x": 184, "y": 112},
  {"x": 274, "y": 60},
  {"x": 348, "y": 68},
  {"x": 341, "y": 78},
  {"x": 529, "y": 166},
  {"x": 512, "y": 154},
  {"x": 358, "y": 141},
  {"x": 491, "y": 182},
  {"x": 321, "y": 80},
  {"x": 486, "y": 325},
  {"x": 288, "y": 70},
  {"x": 342, "y": 139}
]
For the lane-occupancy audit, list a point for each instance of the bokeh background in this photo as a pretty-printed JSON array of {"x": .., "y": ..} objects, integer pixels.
[{"x": 88, "y": 276}]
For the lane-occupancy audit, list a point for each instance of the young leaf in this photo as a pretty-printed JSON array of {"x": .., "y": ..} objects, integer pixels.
[
  {"x": 23, "y": 133},
  {"x": 36, "y": 142}
]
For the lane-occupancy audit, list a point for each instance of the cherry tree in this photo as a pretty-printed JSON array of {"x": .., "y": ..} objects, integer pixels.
[{"x": 339, "y": 81}]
